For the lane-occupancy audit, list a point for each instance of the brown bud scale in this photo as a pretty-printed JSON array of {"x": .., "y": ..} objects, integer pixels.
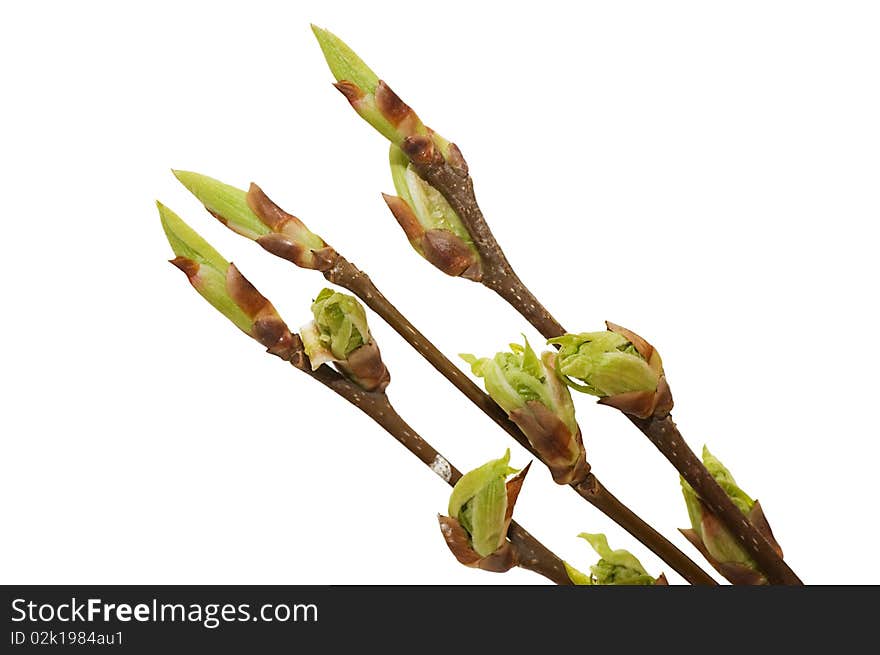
[
  {"x": 365, "y": 366},
  {"x": 268, "y": 212},
  {"x": 243, "y": 293},
  {"x": 350, "y": 90},
  {"x": 187, "y": 265},
  {"x": 447, "y": 251},
  {"x": 405, "y": 216},
  {"x": 562, "y": 452},
  {"x": 458, "y": 542},
  {"x": 420, "y": 150},
  {"x": 395, "y": 110}
]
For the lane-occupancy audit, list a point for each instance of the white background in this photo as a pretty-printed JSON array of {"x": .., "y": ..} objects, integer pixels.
[{"x": 704, "y": 173}]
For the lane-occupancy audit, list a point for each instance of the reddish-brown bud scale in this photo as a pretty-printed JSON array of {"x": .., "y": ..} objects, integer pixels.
[
  {"x": 365, "y": 365},
  {"x": 642, "y": 404},
  {"x": 405, "y": 216},
  {"x": 447, "y": 252},
  {"x": 268, "y": 328},
  {"x": 243, "y": 293},
  {"x": 274, "y": 334},
  {"x": 562, "y": 452},
  {"x": 268, "y": 212},
  {"x": 458, "y": 541},
  {"x": 350, "y": 90},
  {"x": 188, "y": 266},
  {"x": 280, "y": 241},
  {"x": 280, "y": 246},
  {"x": 420, "y": 150},
  {"x": 513, "y": 486}
]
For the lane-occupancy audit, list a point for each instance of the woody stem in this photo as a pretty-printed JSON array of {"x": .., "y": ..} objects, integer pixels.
[
  {"x": 345, "y": 274},
  {"x": 664, "y": 434},
  {"x": 531, "y": 554},
  {"x": 458, "y": 188},
  {"x": 455, "y": 184}
]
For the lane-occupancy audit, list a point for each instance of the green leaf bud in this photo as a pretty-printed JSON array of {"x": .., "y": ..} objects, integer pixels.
[
  {"x": 712, "y": 538},
  {"x": 480, "y": 510},
  {"x": 617, "y": 365},
  {"x": 252, "y": 214},
  {"x": 433, "y": 228},
  {"x": 224, "y": 287},
  {"x": 529, "y": 390},
  {"x": 340, "y": 334},
  {"x": 615, "y": 567}
]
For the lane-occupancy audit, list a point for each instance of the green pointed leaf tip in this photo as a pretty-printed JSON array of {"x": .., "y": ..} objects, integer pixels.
[
  {"x": 479, "y": 502},
  {"x": 605, "y": 362},
  {"x": 341, "y": 322},
  {"x": 516, "y": 377},
  {"x": 428, "y": 204},
  {"x": 361, "y": 86},
  {"x": 210, "y": 279},
  {"x": 615, "y": 567},
  {"x": 225, "y": 201},
  {"x": 344, "y": 62}
]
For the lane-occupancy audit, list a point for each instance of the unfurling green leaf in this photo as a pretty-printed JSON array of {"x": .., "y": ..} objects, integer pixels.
[
  {"x": 339, "y": 334},
  {"x": 605, "y": 362},
  {"x": 479, "y": 503},
  {"x": 529, "y": 390},
  {"x": 615, "y": 567},
  {"x": 577, "y": 578},
  {"x": 514, "y": 378},
  {"x": 341, "y": 322}
]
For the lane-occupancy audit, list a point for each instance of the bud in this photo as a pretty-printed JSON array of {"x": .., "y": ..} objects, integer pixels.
[
  {"x": 616, "y": 567},
  {"x": 253, "y": 215},
  {"x": 220, "y": 283},
  {"x": 340, "y": 334},
  {"x": 430, "y": 223},
  {"x": 370, "y": 97},
  {"x": 534, "y": 397},
  {"x": 480, "y": 511},
  {"x": 711, "y": 537},
  {"x": 617, "y": 365}
]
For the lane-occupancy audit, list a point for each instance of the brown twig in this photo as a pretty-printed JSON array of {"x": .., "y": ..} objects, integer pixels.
[
  {"x": 530, "y": 553},
  {"x": 454, "y": 183},
  {"x": 345, "y": 274}
]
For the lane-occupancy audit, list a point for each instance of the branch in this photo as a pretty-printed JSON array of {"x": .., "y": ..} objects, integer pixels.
[
  {"x": 531, "y": 554},
  {"x": 455, "y": 184},
  {"x": 254, "y": 215},
  {"x": 347, "y": 275},
  {"x": 221, "y": 283}
]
